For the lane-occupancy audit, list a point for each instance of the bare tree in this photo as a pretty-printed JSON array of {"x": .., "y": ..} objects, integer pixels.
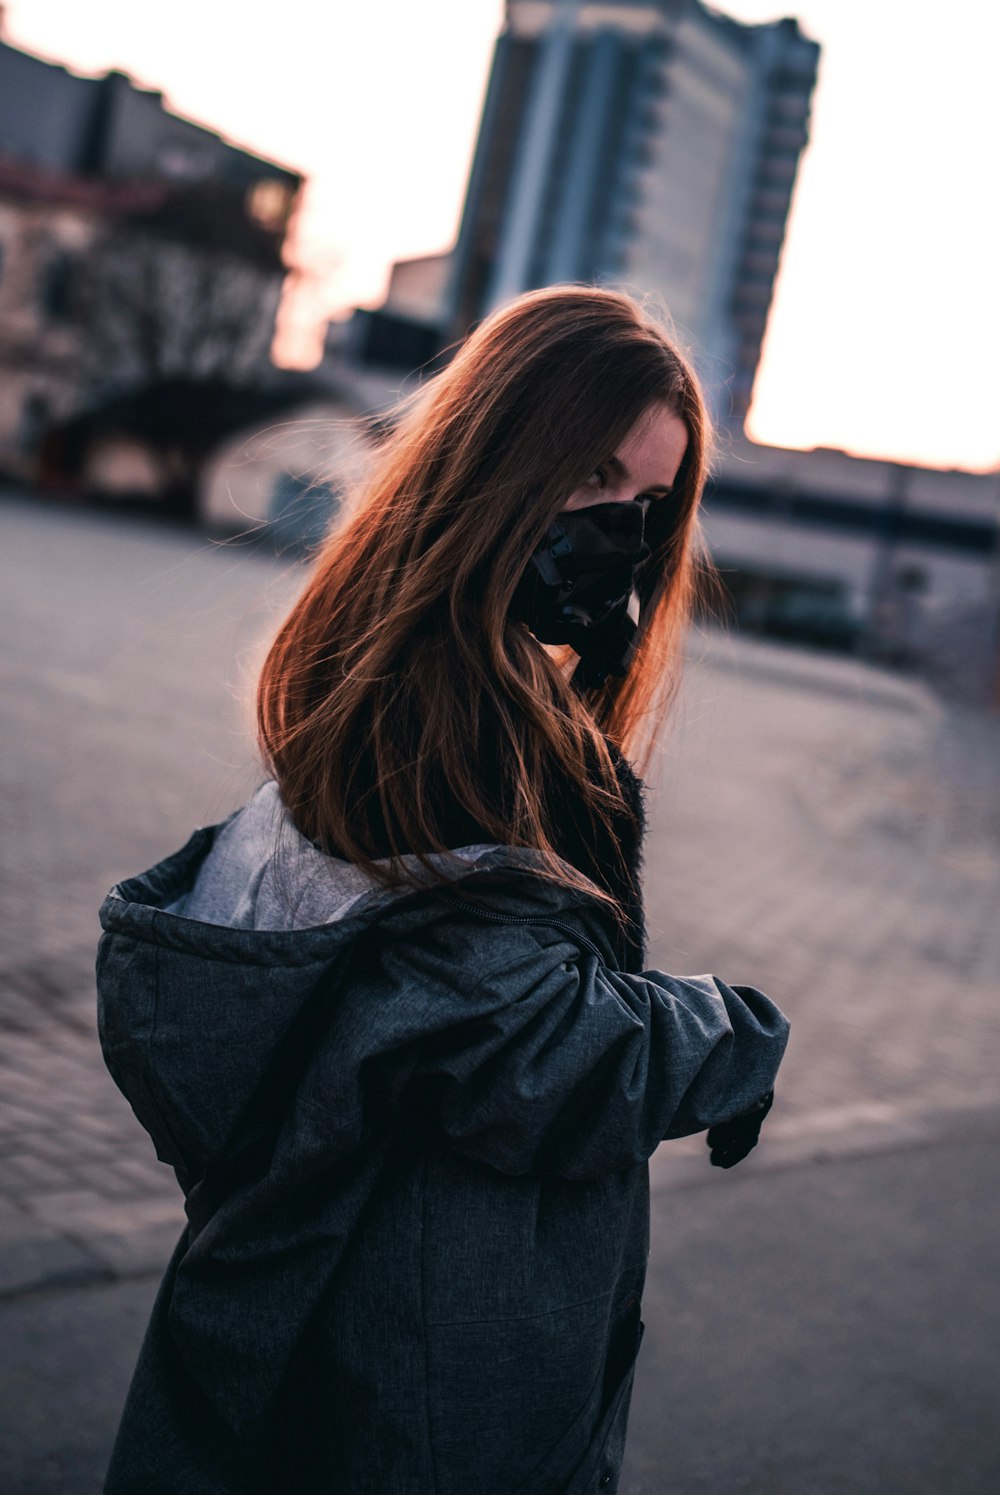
[
  {"x": 175, "y": 307},
  {"x": 188, "y": 290}
]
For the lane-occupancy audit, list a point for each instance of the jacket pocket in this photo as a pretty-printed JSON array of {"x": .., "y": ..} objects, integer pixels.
[{"x": 588, "y": 1457}]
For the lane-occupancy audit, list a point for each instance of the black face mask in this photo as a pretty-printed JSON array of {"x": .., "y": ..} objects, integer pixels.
[{"x": 578, "y": 584}]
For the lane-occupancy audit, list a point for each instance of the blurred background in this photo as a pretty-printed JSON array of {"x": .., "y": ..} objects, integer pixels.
[
  {"x": 223, "y": 241},
  {"x": 230, "y": 239}
]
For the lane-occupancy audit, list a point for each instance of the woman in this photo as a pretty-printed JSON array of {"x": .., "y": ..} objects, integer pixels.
[{"x": 390, "y": 1022}]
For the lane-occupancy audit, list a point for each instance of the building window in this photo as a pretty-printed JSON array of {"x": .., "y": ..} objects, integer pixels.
[
  {"x": 57, "y": 283},
  {"x": 268, "y": 203},
  {"x": 790, "y": 106},
  {"x": 35, "y": 413}
]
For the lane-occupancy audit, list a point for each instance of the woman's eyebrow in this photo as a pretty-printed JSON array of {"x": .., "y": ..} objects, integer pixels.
[{"x": 621, "y": 471}]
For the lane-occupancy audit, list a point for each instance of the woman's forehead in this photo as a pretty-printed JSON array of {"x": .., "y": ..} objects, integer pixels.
[{"x": 652, "y": 451}]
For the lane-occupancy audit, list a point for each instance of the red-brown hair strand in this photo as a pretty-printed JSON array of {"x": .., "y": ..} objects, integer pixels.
[{"x": 400, "y": 697}]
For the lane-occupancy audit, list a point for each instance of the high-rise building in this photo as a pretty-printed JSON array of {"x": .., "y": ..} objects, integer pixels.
[
  {"x": 654, "y": 144},
  {"x": 649, "y": 143}
]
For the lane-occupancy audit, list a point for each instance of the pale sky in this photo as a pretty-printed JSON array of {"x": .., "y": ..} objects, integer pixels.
[{"x": 884, "y": 336}]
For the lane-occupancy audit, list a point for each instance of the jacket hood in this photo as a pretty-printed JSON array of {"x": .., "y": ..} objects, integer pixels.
[{"x": 216, "y": 964}]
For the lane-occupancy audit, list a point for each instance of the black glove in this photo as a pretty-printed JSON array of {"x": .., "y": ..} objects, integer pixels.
[{"x": 732, "y": 1140}]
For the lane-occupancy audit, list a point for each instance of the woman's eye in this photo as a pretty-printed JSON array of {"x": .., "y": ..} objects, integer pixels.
[{"x": 598, "y": 478}]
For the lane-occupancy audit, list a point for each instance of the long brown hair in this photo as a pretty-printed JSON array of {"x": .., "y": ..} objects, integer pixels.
[{"x": 400, "y": 704}]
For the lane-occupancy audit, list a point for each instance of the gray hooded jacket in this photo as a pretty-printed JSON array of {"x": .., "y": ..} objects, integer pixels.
[{"x": 412, "y": 1129}]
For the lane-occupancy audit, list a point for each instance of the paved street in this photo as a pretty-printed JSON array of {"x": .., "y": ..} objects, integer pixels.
[{"x": 821, "y": 829}]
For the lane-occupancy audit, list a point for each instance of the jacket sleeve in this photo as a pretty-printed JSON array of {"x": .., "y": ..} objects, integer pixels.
[{"x": 557, "y": 1063}]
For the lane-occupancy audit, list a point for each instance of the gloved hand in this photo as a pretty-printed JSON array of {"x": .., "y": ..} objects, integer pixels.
[{"x": 732, "y": 1140}]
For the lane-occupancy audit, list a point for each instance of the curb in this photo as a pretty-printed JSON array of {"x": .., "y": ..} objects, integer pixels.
[
  {"x": 856, "y": 1132},
  {"x": 95, "y": 1243},
  {"x": 802, "y": 668},
  {"x": 60, "y": 1243}
]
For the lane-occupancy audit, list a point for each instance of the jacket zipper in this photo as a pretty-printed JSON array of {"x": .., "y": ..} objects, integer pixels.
[{"x": 496, "y": 918}]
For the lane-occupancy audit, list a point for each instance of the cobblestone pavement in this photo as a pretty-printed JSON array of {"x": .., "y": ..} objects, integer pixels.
[{"x": 820, "y": 829}]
